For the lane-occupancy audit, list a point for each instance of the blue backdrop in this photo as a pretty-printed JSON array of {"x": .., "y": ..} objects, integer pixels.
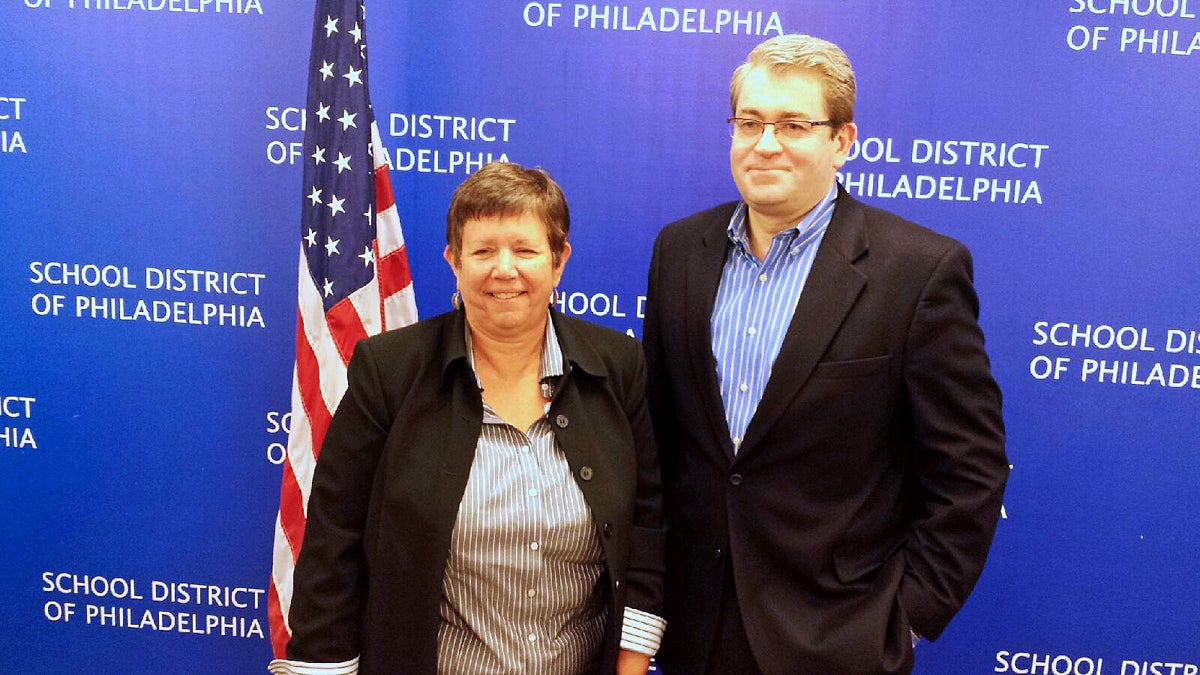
[{"x": 150, "y": 178}]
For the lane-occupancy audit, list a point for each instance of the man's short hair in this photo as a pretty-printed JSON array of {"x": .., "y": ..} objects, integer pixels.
[
  {"x": 804, "y": 54},
  {"x": 503, "y": 189}
]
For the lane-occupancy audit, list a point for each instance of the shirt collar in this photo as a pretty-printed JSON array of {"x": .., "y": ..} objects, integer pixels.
[{"x": 816, "y": 218}]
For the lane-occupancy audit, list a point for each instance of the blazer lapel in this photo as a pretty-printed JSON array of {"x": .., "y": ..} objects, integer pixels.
[
  {"x": 833, "y": 286},
  {"x": 465, "y": 423},
  {"x": 704, "y": 267}
]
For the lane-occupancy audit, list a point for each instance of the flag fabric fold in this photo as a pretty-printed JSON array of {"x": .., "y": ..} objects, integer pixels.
[{"x": 354, "y": 278}]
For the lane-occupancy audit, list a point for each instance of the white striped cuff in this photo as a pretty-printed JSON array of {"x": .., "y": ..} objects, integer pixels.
[
  {"x": 641, "y": 632},
  {"x": 285, "y": 667}
]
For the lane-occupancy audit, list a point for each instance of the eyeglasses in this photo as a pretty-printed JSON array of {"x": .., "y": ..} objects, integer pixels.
[{"x": 750, "y": 129}]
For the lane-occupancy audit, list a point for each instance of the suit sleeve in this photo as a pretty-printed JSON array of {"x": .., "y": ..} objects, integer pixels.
[
  {"x": 961, "y": 466},
  {"x": 329, "y": 586},
  {"x": 658, "y": 386}
]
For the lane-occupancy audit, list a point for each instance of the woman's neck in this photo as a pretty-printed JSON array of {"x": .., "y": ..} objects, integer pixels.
[{"x": 508, "y": 357}]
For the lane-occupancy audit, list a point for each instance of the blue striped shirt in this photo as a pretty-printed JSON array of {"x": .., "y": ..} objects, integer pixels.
[{"x": 754, "y": 307}]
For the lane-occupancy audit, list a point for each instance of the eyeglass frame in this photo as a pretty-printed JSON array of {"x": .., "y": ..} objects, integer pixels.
[{"x": 811, "y": 124}]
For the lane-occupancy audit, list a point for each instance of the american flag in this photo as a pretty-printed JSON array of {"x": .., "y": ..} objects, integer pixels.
[{"x": 354, "y": 275}]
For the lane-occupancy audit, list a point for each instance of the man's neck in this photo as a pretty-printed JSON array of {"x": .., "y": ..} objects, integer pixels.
[{"x": 761, "y": 228}]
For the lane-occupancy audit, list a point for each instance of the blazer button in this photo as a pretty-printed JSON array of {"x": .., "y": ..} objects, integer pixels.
[
  {"x": 735, "y": 479},
  {"x": 585, "y": 472},
  {"x": 617, "y": 585},
  {"x": 562, "y": 421},
  {"x": 608, "y": 529},
  {"x": 718, "y": 553}
]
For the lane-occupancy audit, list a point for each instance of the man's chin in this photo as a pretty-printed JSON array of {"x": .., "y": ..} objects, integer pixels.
[{"x": 767, "y": 200}]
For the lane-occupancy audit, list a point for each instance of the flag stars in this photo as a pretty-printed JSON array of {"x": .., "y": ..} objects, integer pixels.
[
  {"x": 353, "y": 76},
  {"x": 331, "y": 246},
  {"x": 342, "y": 163},
  {"x": 318, "y": 155},
  {"x": 330, "y": 26},
  {"x": 328, "y": 288},
  {"x": 323, "y": 112},
  {"x": 311, "y": 237},
  {"x": 357, "y": 33},
  {"x": 315, "y": 196},
  {"x": 368, "y": 257},
  {"x": 326, "y": 70},
  {"x": 335, "y": 206},
  {"x": 347, "y": 120}
]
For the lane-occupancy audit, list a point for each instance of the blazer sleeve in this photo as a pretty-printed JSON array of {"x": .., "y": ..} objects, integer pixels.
[
  {"x": 961, "y": 466},
  {"x": 329, "y": 586},
  {"x": 647, "y": 555}
]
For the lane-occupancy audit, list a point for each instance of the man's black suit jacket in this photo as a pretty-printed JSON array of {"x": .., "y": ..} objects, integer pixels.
[
  {"x": 863, "y": 499},
  {"x": 393, "y": 469}
]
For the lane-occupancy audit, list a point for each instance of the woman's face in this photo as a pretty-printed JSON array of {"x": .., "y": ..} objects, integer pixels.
[{"x": 506, "y": 273}]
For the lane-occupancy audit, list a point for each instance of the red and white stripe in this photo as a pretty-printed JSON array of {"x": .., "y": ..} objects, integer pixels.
[{"x": 324, "y": 344}]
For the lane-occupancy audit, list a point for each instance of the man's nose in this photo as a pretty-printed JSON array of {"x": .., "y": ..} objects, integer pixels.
[{"x": 767, "y": 142}]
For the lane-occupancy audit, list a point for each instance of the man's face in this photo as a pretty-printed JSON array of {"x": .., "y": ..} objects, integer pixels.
[{"x": 785, "y": 179}]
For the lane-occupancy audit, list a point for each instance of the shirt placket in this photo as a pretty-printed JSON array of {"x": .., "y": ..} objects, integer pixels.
[
  {"x": 534, "y": 514},
  {"x": 749, "y": 384}
]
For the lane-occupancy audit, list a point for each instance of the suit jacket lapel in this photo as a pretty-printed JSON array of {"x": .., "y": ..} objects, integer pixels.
[
  {"x": 704, "y": 268},
  {"x": 833, "y": 286}
]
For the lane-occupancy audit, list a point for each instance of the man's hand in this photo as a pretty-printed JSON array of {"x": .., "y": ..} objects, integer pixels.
[{"x": 632, "y": 663}]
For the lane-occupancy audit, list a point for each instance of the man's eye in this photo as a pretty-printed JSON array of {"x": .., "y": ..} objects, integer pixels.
[
  {"x": 750, "y": 125},
  {"x": 793, "y": 128}
]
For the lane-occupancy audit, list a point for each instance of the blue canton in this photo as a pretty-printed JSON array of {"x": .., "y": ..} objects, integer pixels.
[{"x": 337, "y": 222}]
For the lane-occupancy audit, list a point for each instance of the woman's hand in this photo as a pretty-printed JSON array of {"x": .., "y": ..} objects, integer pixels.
[{"x": 632, "y": 663}]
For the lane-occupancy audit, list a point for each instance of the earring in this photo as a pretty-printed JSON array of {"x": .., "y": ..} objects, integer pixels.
[
  {"x": 555, "y": 296},
  {"x": 456, "y": 300}
]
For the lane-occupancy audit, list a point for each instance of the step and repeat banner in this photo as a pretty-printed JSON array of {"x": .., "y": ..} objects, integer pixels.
[{"x": 150, "y": 164}]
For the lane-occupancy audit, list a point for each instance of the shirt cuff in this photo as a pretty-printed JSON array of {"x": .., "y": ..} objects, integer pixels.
[
  {"x": 286, "y": 667},
  {"x": 641, "y": 632}
]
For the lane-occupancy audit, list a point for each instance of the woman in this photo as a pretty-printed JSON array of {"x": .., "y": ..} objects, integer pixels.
[{"x": 487, "y": 498}]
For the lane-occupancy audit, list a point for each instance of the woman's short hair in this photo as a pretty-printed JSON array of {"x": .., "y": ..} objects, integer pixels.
[{"x": 507, "y": 189}]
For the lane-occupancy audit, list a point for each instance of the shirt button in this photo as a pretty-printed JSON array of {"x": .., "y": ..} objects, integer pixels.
[
  {"x": 531, "y": 592},
  {"x": 752, "y": 330},
  {"x": 561, "y": 421},
  {"x": 742, "y": 387},
  {"x": 762, "y": 277},
  {"x": 735, "y": 479},
  {"x": 737, "y": 441},
  {"x": 533, "y": 492},
  {"x": 524, "y": 448},
  {"x": 532, "y": 637},
  {"x": 534, "y": 546}
]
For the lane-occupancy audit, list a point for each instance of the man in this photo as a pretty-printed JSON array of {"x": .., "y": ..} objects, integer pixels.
[{"x": 830, "y": 432}]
